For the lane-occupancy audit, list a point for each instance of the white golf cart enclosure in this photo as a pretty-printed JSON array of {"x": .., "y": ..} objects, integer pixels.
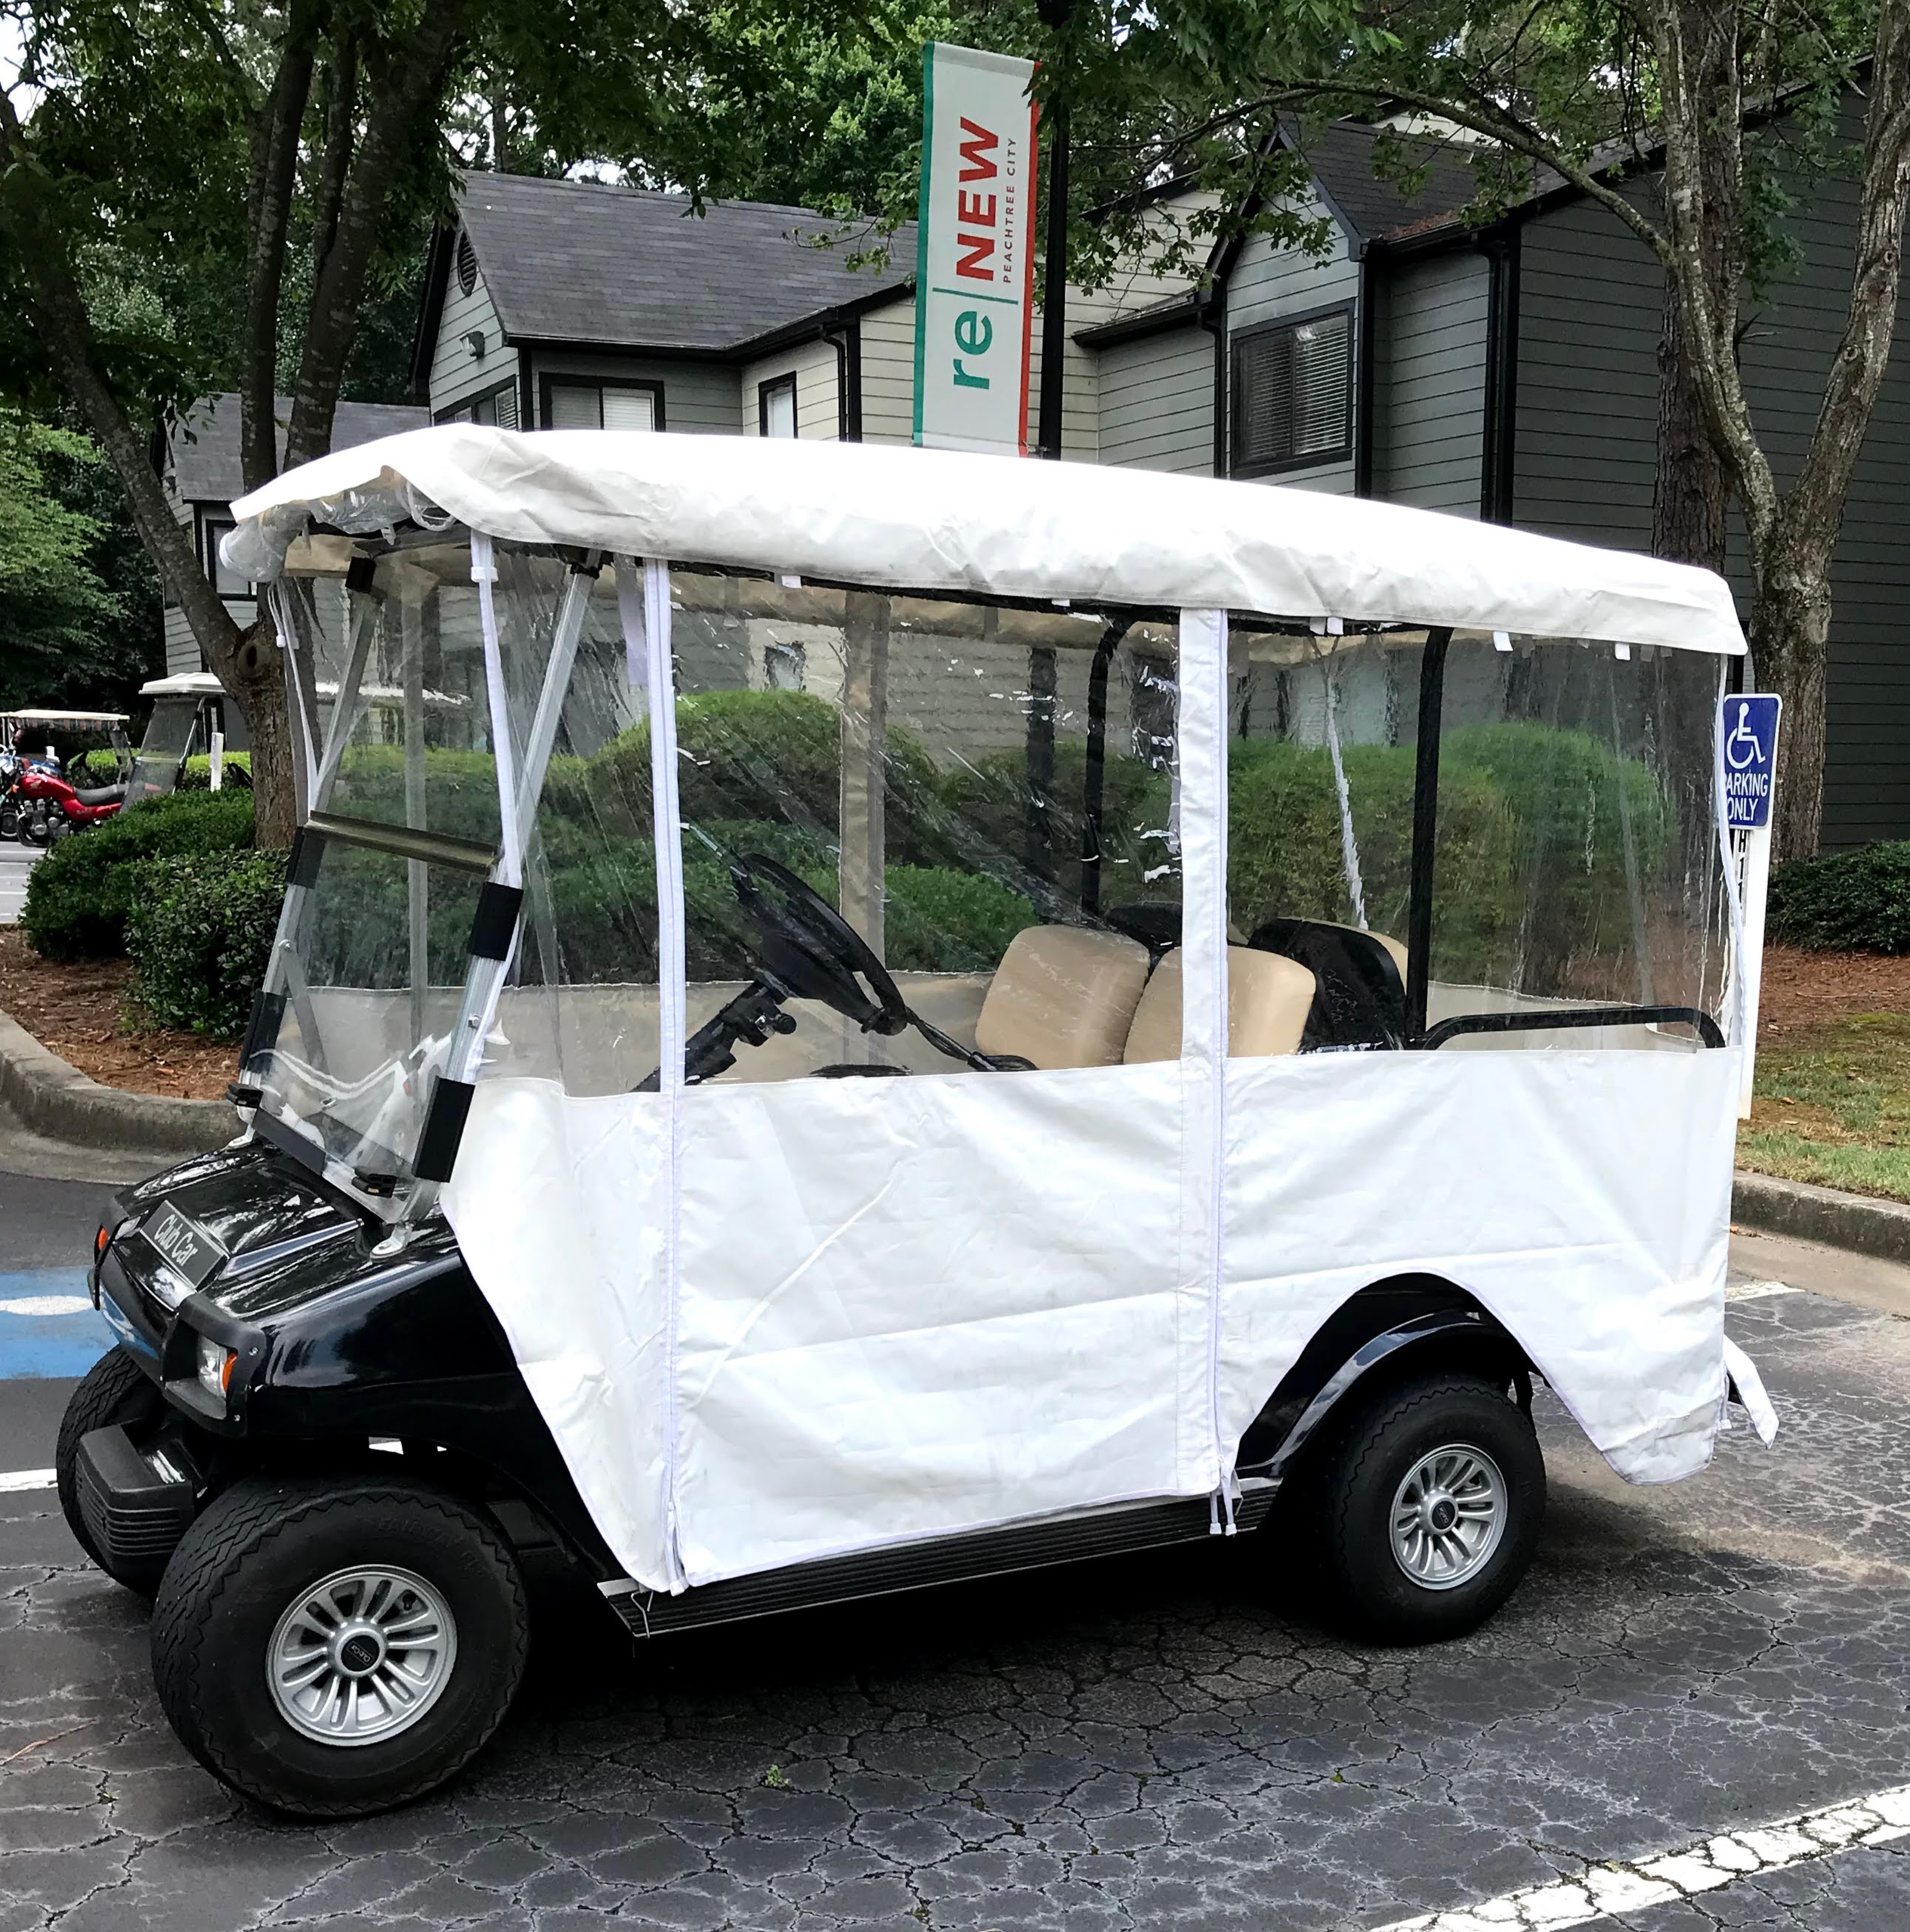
[
  {"x": 188, "y": 710},
  {"x": 1268, "y": 897}
]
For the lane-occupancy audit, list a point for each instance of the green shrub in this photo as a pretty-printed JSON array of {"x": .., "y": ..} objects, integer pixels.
[
  {"x": 102, "y": 768},
  {"x": 1857, "y": 902},
  {"x": 79, "y": 894},
  {"x": 200, "y": 934},
  {"x": 937, "y": 921}
]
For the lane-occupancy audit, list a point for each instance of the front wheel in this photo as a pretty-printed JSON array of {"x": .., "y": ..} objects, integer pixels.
[
  {"x": 1431, "y": 1501},
  {"x": 335, "y": 1648}
]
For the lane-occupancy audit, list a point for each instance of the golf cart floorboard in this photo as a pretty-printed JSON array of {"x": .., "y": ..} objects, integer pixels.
[{"x": 1039, "y": 1545}]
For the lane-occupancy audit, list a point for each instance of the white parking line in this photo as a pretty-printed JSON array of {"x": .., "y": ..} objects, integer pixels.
[
  {"x": 46, "y": 1304},
  {"x": 1627, "y": 1885},
  {"x": 26, "y": 1479}
]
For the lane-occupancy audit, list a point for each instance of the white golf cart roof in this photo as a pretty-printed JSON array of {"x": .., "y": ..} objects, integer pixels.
[
  {"x": 188, "y": 684},
  {"x": 43, "y": 717},
  {"x": 932, "y": 520}
]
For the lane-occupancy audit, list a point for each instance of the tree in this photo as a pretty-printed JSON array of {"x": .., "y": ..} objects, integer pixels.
[
  {"x": 210, "y": 194},
  {"x": 1680, "y": 118},
  {"x": 75, "y": 630}
]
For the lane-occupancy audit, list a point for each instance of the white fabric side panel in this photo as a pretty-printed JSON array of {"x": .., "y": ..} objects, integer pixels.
[
  {"x": 1583, "y": 1197},
  {"x": 931, "y": 519},
  {"x": 558, "y": 1205},
  {"x": 1200, "y": 739},
  {"x": 912, "y": 1307}
]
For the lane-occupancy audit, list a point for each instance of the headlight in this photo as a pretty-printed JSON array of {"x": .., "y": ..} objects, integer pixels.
[{"x": 215, "y": 1366}]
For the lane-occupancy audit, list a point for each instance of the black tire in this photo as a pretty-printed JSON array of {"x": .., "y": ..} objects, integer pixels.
[
  {"x": 114, "y": 1390},
  {"x": 1359, "y": 1476},
  {"x": 246, "y": 1562}
]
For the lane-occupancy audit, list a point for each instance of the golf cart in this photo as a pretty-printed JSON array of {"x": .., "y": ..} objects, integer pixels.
[
  {"x": 871, "y": 1017},
  {"x": 190, "y": 712}
]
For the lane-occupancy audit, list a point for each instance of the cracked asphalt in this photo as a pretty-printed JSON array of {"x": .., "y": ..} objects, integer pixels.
[{"x": 1167, "y": 1742}]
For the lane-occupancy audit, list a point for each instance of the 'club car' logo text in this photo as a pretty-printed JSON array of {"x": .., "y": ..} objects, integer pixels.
[{"x": 986, "y": 229}]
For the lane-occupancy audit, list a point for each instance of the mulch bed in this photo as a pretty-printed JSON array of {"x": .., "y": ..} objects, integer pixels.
[
  {"x": 1805, "y": 990},
  {"x": 75, "y": 1009}
]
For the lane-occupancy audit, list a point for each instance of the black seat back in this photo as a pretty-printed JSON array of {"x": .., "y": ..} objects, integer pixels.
[{"x": 1358, "y": 998}]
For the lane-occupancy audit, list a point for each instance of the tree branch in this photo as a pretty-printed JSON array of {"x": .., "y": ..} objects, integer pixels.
[
  {"x": 340, "y": 131},
  {"x": 1814, "y": 507},
  {"x": 275, "y": 143},
  {"x": 400, "y": 94},
  {"x": 59, "y": 315}
]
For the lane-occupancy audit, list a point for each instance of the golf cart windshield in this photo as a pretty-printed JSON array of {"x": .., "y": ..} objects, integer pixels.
[{"x": 922, "y": 835}]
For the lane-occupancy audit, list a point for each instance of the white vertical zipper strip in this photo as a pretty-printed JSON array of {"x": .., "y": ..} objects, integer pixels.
[
  {"x": 1202, "y": 736},
  {"x": 646, "y": 621}
]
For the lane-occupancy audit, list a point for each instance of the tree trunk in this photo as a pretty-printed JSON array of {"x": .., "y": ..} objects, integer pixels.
[
  {"x": 1689, "y": 492},
  {"x": 1790, "y": 638},
  {"x": 252, "y": 667}
]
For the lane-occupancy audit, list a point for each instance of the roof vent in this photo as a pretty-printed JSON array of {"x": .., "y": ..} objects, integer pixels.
[{"x": 466, "y": 262}]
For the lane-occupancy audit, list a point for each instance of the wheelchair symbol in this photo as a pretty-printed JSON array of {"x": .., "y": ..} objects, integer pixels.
[{"x": 1752, "y": 753}]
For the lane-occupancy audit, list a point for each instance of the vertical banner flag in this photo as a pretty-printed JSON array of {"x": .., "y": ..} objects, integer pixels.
[{"x": 974, "y": 261}]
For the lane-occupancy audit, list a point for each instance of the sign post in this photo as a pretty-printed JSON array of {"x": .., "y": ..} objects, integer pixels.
[
  {"x": 1747, "y": 732},
  {"x": 974, "y": 263}
]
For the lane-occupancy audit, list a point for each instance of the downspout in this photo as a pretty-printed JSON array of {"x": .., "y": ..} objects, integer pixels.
[
  {"x": 527, "y": 414},
  {"x": 1365, "y": 358},
  {"x": 1213, "y": 319},
  {"x": 845, "y": 337},
  {"x": 1498, "y": 454}
]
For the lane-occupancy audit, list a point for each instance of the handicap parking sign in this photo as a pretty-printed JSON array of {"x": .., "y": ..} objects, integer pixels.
[{"x": 1749, "y": 727}]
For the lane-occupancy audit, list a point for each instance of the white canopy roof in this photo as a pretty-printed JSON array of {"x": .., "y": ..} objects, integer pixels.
[{"x": 933, "y": 520}]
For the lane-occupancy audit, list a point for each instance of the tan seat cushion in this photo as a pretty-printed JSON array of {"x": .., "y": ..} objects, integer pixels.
[
  {"x": 1268, "y": 999},
  {"x": 1063, "y": 996}
]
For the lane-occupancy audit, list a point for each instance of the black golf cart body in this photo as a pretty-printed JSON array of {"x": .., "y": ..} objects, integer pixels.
[{"x": 845, "y": 1018}]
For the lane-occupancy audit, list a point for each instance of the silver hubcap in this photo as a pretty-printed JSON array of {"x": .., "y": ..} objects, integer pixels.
[
  {"x": 361, "y": 1656},
  {"x": 1447, "y": 1516}
]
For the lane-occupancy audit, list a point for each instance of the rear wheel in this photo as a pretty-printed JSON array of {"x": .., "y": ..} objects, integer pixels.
[
  {"x": 334, "y": 1649},
  {"x": 1430, "y": 1501},
  {"x": 115, "y": 1391}
]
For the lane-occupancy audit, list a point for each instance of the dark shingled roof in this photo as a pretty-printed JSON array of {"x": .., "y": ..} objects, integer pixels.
[
  {"x": 1340, "y": 155},
  {"x": 569, "y": 261},
  {"x": 205, "y": 445}
]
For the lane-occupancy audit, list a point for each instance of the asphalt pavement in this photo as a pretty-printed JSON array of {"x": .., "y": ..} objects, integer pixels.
[
  {"x": 16, "y": 861},
  {"x": 1691, "y": 1715}
]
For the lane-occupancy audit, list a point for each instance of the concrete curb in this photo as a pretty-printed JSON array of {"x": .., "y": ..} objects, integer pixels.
[
  {"x": 50, "y": 1097},
  {"x": 1809, "y": 1214}
]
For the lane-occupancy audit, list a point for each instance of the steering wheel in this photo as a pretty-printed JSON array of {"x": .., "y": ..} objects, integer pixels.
[{"x": 811, "y": 951}]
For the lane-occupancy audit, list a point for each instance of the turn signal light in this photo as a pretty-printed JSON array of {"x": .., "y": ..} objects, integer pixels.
[
  {"x": 216, "y": 1362},
  {"x": 101, "y": 1241}
]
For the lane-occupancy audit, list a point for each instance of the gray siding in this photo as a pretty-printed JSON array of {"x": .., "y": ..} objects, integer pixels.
[
  {"x": 1590, "y": 302},
  {"x": 1269, "y": 282},
  {"x": 1157, "y": 402},
  {"x": 456, "y": 375},
  {"x": 1429, "y": 382},
  {"x": 888, "y": 373}
]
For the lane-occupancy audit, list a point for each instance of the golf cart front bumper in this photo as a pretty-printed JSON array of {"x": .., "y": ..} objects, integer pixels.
[{"x": 135, "y": 1503}]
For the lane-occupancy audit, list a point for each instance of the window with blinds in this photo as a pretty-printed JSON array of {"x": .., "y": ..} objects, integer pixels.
[
  {"x": 499, "y": 408},
  {"x": 599, "y": 406},
  {"x": 1293, "y": 394}
]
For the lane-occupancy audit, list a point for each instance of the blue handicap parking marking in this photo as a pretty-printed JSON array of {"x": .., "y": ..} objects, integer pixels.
[
  {"x": 48, "y": 1324},
  {"x": 1748, "y": 724}
]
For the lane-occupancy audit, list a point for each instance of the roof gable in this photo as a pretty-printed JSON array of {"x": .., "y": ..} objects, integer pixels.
[{"x": 613, "y": 267}]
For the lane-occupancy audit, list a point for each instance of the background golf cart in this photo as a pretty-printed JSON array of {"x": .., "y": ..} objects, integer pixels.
[{"x": 1147, "y": 873}]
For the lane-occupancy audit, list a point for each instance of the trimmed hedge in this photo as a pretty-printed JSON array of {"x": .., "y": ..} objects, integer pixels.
[
  {"x": 102, "y": 768},
  {"x": 1856, "y": 901},
  {"x": 200, "y": 936},
  {"x": 79, "y": 894}
]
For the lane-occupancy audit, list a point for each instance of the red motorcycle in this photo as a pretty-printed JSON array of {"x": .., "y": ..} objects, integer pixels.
[{"x": 50, "y": 805}]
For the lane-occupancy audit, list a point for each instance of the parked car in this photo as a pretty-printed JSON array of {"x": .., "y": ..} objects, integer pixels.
[{"x": 866, "y": 1017}]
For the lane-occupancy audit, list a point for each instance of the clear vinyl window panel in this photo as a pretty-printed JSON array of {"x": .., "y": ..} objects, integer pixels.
[
  {"x": 987, "y": 795},
  {"x": 365, "y": 987},
  {"x": 1575, "y": 858}
]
